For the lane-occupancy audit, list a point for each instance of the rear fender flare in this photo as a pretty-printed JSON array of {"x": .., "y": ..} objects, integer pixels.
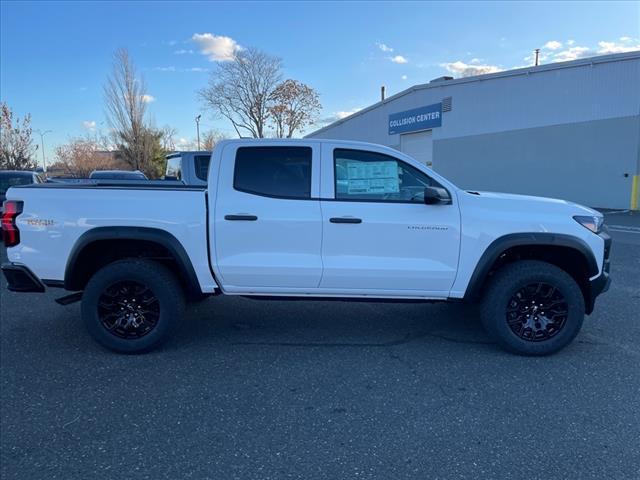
[{"x": 161, "y": 237}]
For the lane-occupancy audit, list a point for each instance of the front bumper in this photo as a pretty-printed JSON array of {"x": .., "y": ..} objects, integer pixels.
[
  {"x": 21, "y": 279},
  {"x": 601, "y": 283}
]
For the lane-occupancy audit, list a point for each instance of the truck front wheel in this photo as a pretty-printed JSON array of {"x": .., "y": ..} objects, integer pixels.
[
  {"x": 532, "y": 308},
  {"x": 132, "y": 305}
]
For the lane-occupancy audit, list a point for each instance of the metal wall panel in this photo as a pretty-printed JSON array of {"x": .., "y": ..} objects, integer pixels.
[{"x": 582, "y": 162}]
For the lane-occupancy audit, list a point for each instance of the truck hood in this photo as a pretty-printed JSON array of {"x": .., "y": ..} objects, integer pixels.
[{"x": 514, "y": 202}]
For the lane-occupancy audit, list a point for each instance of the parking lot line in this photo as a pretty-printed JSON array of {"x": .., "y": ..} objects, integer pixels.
[{"x": 624, "y": 228}]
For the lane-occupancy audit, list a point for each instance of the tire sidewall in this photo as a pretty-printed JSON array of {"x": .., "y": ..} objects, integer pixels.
[
  {"x": 508, "y": 339},
  {"x": 146, "y": 274}
]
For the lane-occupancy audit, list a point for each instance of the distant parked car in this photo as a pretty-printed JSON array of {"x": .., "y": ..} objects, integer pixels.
[
  {"x": 190, "y": 167},
  {"x": 10, "y": 178},
  {"x": 117, "y": 175}
]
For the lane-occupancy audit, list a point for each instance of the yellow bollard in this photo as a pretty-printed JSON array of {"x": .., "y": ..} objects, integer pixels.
[{"x": 635, "y": 186}]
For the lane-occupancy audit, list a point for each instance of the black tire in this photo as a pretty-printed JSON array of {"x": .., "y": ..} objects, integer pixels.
[
  {"x": 120, "y": 286},
  {"x": 510, "y": 314}
]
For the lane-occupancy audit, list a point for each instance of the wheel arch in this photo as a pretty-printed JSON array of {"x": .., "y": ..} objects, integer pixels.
[
  {"x": 79, "y": 268},
  {"x": 570, "y": 253}
]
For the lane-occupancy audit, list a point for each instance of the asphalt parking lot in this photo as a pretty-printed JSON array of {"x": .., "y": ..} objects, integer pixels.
[{"x": 269, "y": 390}]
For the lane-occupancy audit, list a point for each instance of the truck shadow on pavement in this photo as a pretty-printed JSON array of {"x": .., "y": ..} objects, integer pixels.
[{"x": 329, "y": 324}]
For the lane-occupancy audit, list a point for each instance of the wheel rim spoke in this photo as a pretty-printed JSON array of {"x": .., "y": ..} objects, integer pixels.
[
  {"x": 537, "y": 312},
  {"x": 128, "y": 309}
]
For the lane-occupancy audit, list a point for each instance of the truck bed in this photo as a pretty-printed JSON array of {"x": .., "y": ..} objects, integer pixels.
[{"x": 56, "y": 215}]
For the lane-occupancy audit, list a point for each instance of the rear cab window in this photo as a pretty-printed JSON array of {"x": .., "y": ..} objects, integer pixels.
[{"x": 278, "y": 172}]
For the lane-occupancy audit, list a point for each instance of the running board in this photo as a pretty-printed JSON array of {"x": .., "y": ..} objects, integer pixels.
[{"x": 69, "y": 299}]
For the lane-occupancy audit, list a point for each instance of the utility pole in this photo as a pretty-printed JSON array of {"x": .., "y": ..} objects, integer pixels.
[
  {"x": 537, "y": 52},
  {"x": 198, "y": 129},
  {"x": 42, "y": 134}
]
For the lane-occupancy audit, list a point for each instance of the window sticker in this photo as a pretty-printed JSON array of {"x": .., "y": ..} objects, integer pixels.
[{"x": 372, "y": 177}]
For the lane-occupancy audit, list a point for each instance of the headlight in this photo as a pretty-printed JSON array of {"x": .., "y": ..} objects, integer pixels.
[{"x": 592, "y": 222}]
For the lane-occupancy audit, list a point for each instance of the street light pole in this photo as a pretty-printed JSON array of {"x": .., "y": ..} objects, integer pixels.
[
  {"x": 44, "y": 161},
  {"x": 198, "y": 129}
]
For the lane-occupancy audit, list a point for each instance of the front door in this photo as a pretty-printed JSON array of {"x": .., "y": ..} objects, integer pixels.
[
  {"x": 268, "y": 230},
  {"x": 378, "y": 234}
]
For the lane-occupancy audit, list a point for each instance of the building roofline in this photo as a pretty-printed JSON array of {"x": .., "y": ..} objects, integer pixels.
[{"x": 615, "y": 57}]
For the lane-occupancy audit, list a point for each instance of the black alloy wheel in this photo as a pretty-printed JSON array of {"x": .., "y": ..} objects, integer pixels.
[
  {"x": 128, "y": 309},
  {"x": 133, "y": 305},
  {"x": 537, "y": 312},
  {"x": 531, "y": 307}
]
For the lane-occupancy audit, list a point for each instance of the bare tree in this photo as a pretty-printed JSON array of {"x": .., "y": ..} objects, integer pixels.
[
  {"x": 126, "y": 100},
  {"x": 169, "y": 138},
  {"x": 211, "y": 137},
  {"x": 83, "y": 155},
  {"x": 16, "y": 146},
  {"x": 239, "y": 90},
  {"x": 293, "y": 106}
]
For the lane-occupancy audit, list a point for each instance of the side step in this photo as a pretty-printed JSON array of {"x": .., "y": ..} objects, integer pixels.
[{"x": 69, "y": 299}]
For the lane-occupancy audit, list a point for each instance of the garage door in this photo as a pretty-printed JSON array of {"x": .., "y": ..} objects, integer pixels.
[{"x": 418, "y": 145}]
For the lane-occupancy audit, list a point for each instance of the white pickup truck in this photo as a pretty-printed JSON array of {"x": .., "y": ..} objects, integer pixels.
[{"x": 307, "y": 218}]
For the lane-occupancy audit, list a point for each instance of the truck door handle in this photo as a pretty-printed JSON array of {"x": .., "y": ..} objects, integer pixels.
[
  {"x": 345, "y": 220},
  {"x": 250, "y": 218}
]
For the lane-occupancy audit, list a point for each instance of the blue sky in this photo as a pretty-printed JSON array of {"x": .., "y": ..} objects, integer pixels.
[{"x": 55, "y": 56}]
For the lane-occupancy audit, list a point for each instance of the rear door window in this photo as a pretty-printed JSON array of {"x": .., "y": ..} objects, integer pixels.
[{"x": 281, "y": 172}]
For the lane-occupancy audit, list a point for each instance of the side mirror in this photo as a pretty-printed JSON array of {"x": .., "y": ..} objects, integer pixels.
[{"x": 436, "y": 196}]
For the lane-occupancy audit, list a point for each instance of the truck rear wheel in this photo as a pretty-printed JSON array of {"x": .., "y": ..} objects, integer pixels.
[
  {"x": 132, "y": 305},
  {"x": 532, "y": 308}
]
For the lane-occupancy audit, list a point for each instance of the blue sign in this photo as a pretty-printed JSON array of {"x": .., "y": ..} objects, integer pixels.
[{"x": 421, "y": 118}]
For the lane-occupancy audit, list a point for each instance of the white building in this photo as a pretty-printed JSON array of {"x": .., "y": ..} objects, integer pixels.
[{"x": 567, "y": 130}]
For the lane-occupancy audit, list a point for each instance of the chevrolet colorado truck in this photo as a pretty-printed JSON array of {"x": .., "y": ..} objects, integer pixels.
[{"x": 317, "y": 219}]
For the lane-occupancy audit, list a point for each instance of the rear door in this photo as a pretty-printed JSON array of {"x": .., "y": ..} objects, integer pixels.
[
  {"x": 379, "y": 237},
  {"x": 268, "y": 230}
]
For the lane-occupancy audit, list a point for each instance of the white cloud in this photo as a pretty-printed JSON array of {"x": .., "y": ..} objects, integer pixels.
[
  {"x": 171, "y": 43},
  {"x": 399, "y": 59},
  {"x": 475, "y": 61},
  {"x": 339, "y": 115},
  {"x": 572, "y": 53},
  {"x": 185, "y": 144},
  {"x": 89, "y": 125},
  {"x": 467, "y": 70},
  {"x": 553, "y": 45},
  {"x": 384, "y": 48},
  {"x": 148, "y": 98},
  {"x": 175, "y": 69},
  {"x": 403, "y": 77},
  {"x": 625, "y": 39},
  {"x": 217, "y": 48},
  {"x": 614, "y": 47},
  {"x": 183, "y": 51},
  {"x": 570, "y": 42},
  {"x": 346, "y": 113}
]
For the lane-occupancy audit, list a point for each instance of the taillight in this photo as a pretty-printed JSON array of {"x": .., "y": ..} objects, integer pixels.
[{"x": 10, "y": 232}]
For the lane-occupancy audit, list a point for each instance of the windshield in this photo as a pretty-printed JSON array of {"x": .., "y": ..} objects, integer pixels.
[{"x": 8, "y": 180}]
